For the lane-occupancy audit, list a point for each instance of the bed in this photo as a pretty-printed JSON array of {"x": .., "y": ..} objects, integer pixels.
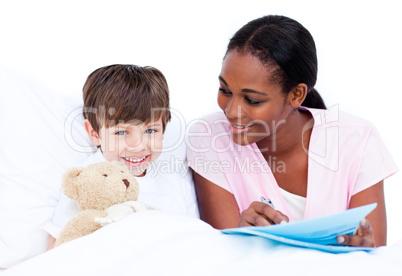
[
  {"x": 45, "y": 136},
  {"x": 158, "y": 243}
]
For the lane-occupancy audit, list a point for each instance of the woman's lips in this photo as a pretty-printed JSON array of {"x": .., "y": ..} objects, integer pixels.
[{"x": 239, "y": 129}]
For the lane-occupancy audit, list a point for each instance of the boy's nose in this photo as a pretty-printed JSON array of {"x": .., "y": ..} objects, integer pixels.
[{"x": 137, "y": 143}]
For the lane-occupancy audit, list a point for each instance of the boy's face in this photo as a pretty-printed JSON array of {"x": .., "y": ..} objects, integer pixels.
[{"x": 135, "y": 145}]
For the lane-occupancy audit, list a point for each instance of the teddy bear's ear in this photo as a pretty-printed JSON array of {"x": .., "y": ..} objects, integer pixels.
[{"x": 69, "y": 185}]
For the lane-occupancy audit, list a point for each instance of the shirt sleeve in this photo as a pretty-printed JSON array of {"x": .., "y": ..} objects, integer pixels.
[
  {"x": 190, "y": 196},
  {"x": 182, "y": 178},
  {"x": 206, "y": 144},
  {"x": 377, "y": 163},
  {"x": 65, "y": 210}
]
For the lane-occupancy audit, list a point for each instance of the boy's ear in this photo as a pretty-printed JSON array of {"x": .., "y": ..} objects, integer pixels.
[
  {"x": 297, "y": 95},
  {"x": 93, "y": 135}
]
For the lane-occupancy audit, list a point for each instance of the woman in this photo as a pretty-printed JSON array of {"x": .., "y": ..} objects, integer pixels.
[{"x": 275, "y": 139}]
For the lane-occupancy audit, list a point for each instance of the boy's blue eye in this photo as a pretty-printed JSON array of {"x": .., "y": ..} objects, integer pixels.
[
  {"x": 121, "y": 132},
  {"x": 149, "y": 131}
]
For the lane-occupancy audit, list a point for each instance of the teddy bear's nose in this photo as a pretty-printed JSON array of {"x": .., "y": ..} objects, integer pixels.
[{"x": 125, "y": 181}]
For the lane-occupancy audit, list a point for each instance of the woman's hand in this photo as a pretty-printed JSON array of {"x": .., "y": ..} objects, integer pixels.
[
  {"x": 364, "y": 236},
  {"x": 261, "y": 214}
]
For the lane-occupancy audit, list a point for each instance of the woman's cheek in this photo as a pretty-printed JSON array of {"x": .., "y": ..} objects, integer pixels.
[{"x": 222, "y": 102}]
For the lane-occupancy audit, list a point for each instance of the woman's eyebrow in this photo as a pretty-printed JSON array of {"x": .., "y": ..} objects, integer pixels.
[
  {"x": 245, "y": 90},
  {"x": 222, "y": 80}
]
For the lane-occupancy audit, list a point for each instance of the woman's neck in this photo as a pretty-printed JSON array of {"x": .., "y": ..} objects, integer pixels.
[{"x": 293, "y": 135}]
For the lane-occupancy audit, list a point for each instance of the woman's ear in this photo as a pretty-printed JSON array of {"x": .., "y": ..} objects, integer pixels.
[
  {"x": 297, "y": 95},
  {"x": 93, "y": 135}
]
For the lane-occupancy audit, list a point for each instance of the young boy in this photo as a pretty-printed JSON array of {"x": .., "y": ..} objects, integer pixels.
[{"x": 126, "y": 111}]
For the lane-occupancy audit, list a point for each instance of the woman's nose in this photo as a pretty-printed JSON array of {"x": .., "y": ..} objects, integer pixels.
[{"x": 234, "y": 110}]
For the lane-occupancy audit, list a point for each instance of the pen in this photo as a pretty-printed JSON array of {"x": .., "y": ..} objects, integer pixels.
[{"x": 267, "y": 201}]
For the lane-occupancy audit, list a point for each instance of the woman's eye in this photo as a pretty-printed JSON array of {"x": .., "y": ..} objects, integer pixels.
[
  {"x": 121, "y": 132},
  {"x": 149, "y": 131},
  {"x": 224, "y": 91},
  {"x": 252, "y": 102}
]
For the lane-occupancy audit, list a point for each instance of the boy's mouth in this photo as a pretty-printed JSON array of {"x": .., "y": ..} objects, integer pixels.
[{"x": 135, "y": 160}]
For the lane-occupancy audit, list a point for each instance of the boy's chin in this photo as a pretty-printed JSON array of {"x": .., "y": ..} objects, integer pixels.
[
  {"x": 140, "y": 175},
  {"x": 138, "y": 172}
]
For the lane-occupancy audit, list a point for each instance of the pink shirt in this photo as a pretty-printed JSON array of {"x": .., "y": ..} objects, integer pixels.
[{"x": 346, "y": 156}]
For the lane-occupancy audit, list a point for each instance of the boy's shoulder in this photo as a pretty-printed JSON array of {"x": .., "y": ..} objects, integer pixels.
[{"x": 95, "y": 157}]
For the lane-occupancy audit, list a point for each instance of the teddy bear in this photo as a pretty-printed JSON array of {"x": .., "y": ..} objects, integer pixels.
[{"x": 104, "y": 192}]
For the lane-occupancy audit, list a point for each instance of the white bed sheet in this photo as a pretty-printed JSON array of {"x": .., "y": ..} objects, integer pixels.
[{"x": 160, "y": 243}]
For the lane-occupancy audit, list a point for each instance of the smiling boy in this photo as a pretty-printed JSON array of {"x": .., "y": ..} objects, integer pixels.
[{"x": 126, "y": 111}]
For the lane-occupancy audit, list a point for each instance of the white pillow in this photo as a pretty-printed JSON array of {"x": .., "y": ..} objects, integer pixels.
[{"x": 33, "y": 155}]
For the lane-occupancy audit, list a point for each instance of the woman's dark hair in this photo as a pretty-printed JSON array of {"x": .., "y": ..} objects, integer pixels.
[{"x": 283, "y": 43}]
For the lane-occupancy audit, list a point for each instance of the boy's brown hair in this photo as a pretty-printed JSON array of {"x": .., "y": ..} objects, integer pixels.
[{"x": 125, "y": 94}]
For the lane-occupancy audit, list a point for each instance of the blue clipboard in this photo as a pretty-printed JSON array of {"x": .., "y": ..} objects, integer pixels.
[{"x": 318, "y": 233}]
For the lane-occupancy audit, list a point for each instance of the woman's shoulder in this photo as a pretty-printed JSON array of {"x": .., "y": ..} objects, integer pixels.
[
  {"x": 334, "y": 117},
  {"x": 212, "y": 122},
  {"x": 93, "y": 158},
  {"x": 209, "y": 134},
  {"x": 334, "y": 128},
  {"x": 212, "y": 127}
]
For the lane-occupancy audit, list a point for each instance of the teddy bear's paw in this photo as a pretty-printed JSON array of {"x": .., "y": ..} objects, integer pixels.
[
  {"x": 136, "y": 205},
  {"x": 103, "y": 220}
]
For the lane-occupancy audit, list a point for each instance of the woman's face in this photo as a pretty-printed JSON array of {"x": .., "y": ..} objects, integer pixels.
[{"x": 255, "y": 106}]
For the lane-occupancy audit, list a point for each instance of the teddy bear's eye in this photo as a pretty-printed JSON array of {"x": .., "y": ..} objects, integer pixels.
[
  {"x": 122, "y": 172},
  {"x": 105, "y": 175}
]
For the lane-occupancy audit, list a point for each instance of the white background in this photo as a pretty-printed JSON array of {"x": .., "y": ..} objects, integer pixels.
[{"x": 58, "y": 43}]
